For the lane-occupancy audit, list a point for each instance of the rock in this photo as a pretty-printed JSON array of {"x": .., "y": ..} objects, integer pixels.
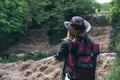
[
  {"x": 20, "y": 55},
  {"x": 28, "y": 73},
  {"x": 42, "y": 68},
  {"x": 24, "y": 66}
]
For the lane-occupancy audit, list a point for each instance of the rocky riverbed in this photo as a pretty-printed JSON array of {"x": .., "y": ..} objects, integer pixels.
[{"x": 49, "y": 69}]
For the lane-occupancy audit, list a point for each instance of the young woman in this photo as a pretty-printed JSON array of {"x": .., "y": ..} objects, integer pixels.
[{"x": 76, "y": 42}]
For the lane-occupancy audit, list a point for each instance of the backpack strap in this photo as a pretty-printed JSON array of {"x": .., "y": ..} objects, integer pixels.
[{"x": 92, "y": 54}]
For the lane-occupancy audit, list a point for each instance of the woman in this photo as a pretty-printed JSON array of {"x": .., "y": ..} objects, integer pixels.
[{"x": 76, "y": 42}]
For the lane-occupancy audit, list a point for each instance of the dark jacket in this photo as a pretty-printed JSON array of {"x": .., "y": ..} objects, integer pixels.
[{"x": 64, "y": 50}]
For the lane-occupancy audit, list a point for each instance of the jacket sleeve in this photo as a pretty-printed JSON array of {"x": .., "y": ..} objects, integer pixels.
[{"x": 63, "y": 52}]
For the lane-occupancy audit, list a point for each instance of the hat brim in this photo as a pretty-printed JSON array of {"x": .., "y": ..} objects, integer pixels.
[{"x": 86, "y": 23}]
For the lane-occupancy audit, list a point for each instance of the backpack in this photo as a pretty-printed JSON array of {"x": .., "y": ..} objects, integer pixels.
[{"x": 81, "y": 61}]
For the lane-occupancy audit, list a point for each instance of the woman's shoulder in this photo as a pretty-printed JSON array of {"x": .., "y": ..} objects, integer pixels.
[{"x": 66, "y": 41}]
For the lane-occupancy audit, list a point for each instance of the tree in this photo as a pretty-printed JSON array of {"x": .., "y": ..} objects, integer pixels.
[
  {"x": 77, "y": 7},
  {"x": 13, "y": 17},
  {"x": 115, "y": 41},
  {"x": 115, "y": 11},
  {"x": 43, "y": 11}
]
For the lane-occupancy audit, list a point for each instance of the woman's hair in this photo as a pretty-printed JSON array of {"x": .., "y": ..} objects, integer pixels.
[{"x": 78, "y": 28}]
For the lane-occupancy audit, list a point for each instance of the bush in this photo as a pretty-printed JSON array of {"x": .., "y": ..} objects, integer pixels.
[
  {"x": 114, "y": 16},
  {"x": 13, "y": 18},
  {"x": 115, "y": 45},
  {"x": 14, "y": 58}
]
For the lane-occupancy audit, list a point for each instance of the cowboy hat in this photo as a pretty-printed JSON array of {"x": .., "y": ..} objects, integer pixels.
[{"x": 77, "y": 21}]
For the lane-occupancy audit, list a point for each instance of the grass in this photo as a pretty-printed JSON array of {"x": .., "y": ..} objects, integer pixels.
[
  {"x": 115, "y": 71},
  {"x": 14, "y": 58}
]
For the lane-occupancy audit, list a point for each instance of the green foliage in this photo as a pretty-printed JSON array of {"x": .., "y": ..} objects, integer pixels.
[
  {"x": 115, "y": 71},
  {"x": 115, "y": 20},
  {"x": 115, "y": 41},
  {"x": 115, "y": 11},
  {"x": 116, "y": 38},
  {"x": 115, "y": 46},
  {"x": 101, "y": 8},
  {"x": 97, "y": 6},
  {"x": 54, "y": 12},
  {"x": 78, "y": 7},
  {"x": 14, "y": 58},
  {"x": 13, "y": 17}
]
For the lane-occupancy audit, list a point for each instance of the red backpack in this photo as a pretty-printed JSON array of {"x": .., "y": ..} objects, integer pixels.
[{"x": 81, "y": 60}]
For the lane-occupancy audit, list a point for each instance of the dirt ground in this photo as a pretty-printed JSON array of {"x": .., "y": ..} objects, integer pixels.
[{"x": 37, "y": 43}]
